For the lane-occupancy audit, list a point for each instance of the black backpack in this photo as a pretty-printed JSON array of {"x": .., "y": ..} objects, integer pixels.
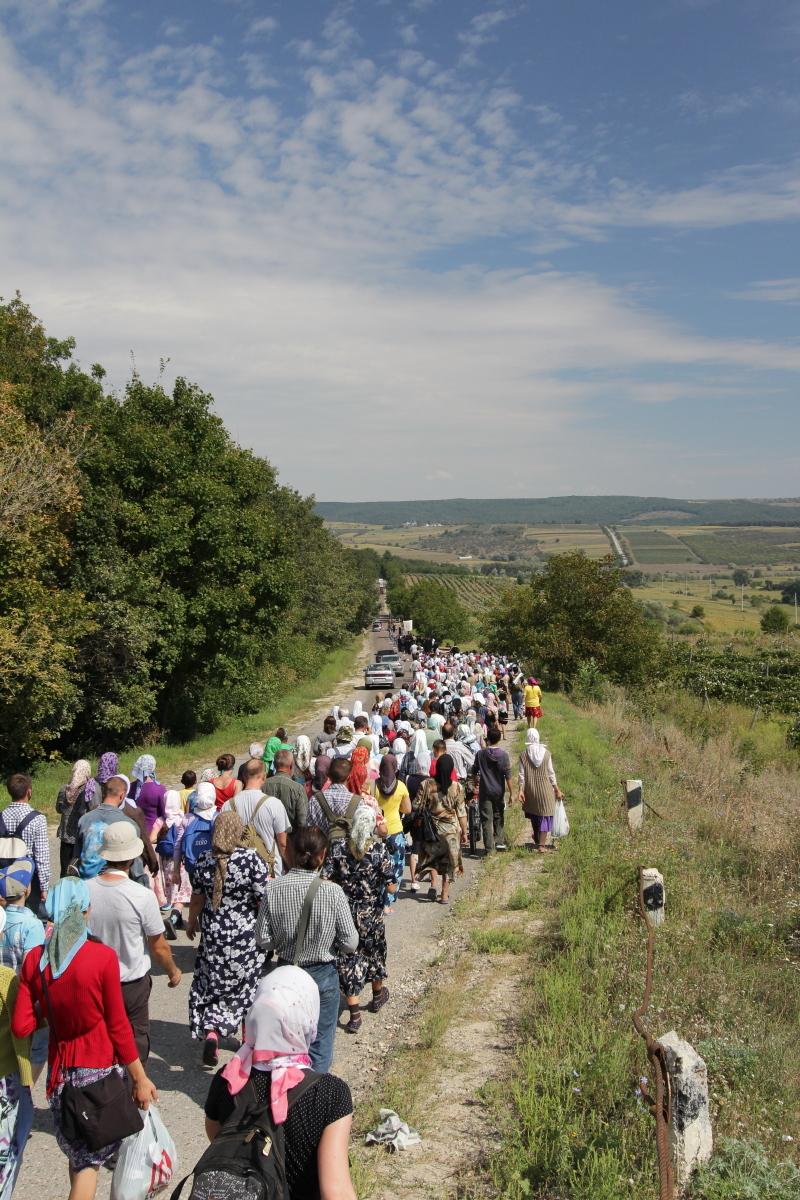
[{"x": 247, "y": 1158}]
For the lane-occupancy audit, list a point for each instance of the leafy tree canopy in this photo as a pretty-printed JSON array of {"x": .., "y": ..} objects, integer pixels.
[
  {"x": 434, "y": 610},
  {"x": 575, "y": 610}
]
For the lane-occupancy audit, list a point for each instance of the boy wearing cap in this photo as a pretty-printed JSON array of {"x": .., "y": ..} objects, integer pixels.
[
  {"x": 127, "y": 918},
  {"x": 23, "y": 932}
]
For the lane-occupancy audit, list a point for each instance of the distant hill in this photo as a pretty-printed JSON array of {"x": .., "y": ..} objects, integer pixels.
[{"x": 602, "y": 510}]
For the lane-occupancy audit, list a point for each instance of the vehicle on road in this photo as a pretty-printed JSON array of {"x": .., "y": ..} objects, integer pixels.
[
  {"x": 376, "y": 626},
  {"x": 391, "y": 658},
  {"x": 379, "y": 675}
]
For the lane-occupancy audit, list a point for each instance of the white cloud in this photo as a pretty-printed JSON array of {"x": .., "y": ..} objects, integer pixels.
[
  {"x": 784, "y": 291},
  {"x": 263, "y": 27},
  {"x": 274, "y": 258}
]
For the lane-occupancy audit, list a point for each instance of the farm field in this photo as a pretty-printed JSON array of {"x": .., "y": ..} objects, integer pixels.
[
  {"x": 721, "y": 615},
  {"x": 452, "y": 543},
  {"x": 655, "y": 547},
  {"x": 475, "y": 594},
  {"x": 744, "y": 546}
]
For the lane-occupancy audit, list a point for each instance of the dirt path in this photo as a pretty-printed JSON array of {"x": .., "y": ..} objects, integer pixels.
[{"x": 414, "y": 935}]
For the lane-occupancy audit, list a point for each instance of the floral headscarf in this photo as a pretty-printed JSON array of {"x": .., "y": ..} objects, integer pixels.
[
  {"x": 359, "y": 761},
  {"x": 107, "y": 767},
  {"x": 228, "y": 830},
  {"x": 81, "y": 774},
  {"x": 362, "y": 830}
]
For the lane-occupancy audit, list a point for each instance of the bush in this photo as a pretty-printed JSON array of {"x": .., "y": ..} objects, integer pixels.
[
  {"x": 698, "y": 611},
  {"x": 689, "y": 627},
  {"x": 590, "y": 684},
  {"x": 743, "y": 1169},
  {"x": 775, "y": 620}
]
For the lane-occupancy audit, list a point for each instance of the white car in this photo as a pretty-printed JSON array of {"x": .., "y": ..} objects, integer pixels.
[{"x": 379, "y": 675}]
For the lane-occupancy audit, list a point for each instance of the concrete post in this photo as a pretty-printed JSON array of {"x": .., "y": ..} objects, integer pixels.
[
  {"x": 655, "y": 899},
  {"x": 690, "y": 1139},
  {"x": 634, "y": 805}
]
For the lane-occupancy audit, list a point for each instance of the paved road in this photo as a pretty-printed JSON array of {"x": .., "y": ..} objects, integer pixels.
[{"x": 413, "y": 932}]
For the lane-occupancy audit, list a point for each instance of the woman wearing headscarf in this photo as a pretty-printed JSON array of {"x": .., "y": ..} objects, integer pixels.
[
  {"x": 362, "y": 867},
  {"x": 71, "y": 805},
  {"x": 444, "y": 800},
  {"x": 16, "y": 1081},
  {"x": 538, "y": 789},
  {"x": 359, "y": 771},
  {"x": 148, "y": 794},
  {"x": 392, "y": 795},
  {"x": 302, "y": 761},
  {"x": 227, "y": 886},
  {"x": 415, "y": 768},
  {"x": 107, "y": 767},
  {"x": 90, "y": 1034},
  {"x": 278, "y": 1032},
  {"x": 322, "y": 766},
  {"x": 171, "y": 884},
  {"x": 255, "y": 750}
]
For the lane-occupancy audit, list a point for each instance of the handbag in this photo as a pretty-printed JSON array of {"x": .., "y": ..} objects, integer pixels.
[{"x": 100, "y": 1113}]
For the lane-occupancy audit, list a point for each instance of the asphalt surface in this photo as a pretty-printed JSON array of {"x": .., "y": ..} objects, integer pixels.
[{"x": 413, "y": 934}]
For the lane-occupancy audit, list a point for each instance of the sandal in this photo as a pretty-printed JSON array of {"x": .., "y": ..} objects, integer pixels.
[
  {"x": 355, "y": 1022},
  {"x": 378, "y": 1000}
]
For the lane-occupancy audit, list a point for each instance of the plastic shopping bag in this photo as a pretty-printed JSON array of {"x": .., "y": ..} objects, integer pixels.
[
  {"x": 560, "y": 822},
  {"x": 147, "y": 1161}
]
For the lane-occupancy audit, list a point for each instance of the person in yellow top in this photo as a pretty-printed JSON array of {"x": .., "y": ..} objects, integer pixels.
[
  {"x": 533, "y": 702},
  {"x": 16, "y": 1080},
  {"x": 392, "y": 795}
]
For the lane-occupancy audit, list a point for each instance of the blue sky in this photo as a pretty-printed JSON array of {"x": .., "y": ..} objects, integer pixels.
[{"x": 426, "y": 248}]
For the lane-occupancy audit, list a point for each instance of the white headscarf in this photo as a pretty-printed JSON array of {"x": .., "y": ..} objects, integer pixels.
[
  {"x": 173, "y": 807},
  {"x": 362, "y": 830},
  {"x": 278, "y": 1030},
  {"x": 399, "y": 748},
  {"x": 205, "y": 798},
  {"x": 422, "y": 755},
  {"x": 376, "y": 724},
  {"x": 256, "y": 750},
  {"x": 536, "y": 750},
  {"x": 358, "y": 709},
  {"x": 302, "y": 752}
]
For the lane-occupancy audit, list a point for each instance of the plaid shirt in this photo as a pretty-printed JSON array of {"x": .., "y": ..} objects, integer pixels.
[
  {"x": 330, "y": 920},
  {"x": 34, "y": 835},
  {"x": 338, "y": 798}
]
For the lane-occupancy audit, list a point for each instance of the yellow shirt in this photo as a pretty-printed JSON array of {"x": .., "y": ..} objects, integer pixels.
[
  {"x": 533, "y": 695},
  {"x": 390, "y": 806}
]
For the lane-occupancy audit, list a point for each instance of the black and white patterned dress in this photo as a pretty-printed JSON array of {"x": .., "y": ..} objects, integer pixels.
[
  {"x": 229, "y": 963},
  {"x": 363, "y": 882}
]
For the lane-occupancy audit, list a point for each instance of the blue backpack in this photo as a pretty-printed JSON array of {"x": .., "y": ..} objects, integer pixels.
[
  {"x": 165, "y": 844},
  {"x": 196, "y": 841}
]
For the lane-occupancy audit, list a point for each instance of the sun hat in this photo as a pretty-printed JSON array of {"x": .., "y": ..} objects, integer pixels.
[
  {"x": 16, "y": 878},
  {"x": 121, "y": 842}
]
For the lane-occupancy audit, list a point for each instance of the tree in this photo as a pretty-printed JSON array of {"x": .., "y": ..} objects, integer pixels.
[
  {"x": 741, "y": 577},
  {"x": 577, "y": 609},
  {"x": 775, "y": 620},
  {"x": 434, "y": 610},
  {"x": 698, "y": 611}
]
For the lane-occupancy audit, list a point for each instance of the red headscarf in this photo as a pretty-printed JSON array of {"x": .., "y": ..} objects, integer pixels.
[{"x": 359, "y": 761}]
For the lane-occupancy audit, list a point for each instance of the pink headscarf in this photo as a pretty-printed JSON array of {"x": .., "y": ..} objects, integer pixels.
[{"x": 279, "y": 1030}]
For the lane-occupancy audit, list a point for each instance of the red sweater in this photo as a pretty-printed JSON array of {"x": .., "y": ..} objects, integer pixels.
[{"x": 93, "y": 1027}]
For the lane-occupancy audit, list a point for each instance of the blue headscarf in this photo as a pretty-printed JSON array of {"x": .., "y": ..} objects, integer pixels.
[{"x": 65, "y": 905}]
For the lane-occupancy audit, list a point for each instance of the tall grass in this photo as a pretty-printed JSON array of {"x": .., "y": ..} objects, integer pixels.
[
  {"x": 234, "y": 736},
  {"x": 575, "y": 1126}
]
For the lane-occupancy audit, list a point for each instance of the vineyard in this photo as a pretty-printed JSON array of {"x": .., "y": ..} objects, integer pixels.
[
  {"x": 769, "y": 678},
  {"x": 476, "y": 593}
]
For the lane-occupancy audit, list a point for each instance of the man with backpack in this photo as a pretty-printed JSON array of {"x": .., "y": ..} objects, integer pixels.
[
  {"x": 266, "y": 825},
  {"x": 22, "y": 820},
  {"x": 335, "y": 806}
]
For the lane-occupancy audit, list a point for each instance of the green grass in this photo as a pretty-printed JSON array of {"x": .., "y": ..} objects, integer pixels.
[
  {"x": 572, "y": 1123},
  {"x": 499, "y": 941},
  {"x": 235, "y": 736}
]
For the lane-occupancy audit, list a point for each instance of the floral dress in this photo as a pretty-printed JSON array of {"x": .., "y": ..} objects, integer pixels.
[
  {"x": 363, "y": 881},
  {"x": 444, "y": 855},
  {"x": 229, "y": 963}
]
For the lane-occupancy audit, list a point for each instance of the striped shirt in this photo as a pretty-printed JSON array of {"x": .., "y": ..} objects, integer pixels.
[
  {"x": 330, "y": 921},
  {"x": 34, "y": 835}
]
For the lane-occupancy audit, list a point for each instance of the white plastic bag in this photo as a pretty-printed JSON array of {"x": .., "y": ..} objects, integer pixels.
[
  {"x": 147, "y": 1161},
  {"x": 560, "y": 822}
]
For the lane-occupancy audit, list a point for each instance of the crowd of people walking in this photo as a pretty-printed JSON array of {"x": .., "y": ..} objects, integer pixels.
[{"x": 284, "y": 872}]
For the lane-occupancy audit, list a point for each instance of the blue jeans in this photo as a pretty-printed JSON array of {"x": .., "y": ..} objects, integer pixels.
[{"x": 327, "y": 980}]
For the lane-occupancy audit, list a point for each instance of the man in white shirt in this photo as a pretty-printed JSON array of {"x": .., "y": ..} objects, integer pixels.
[
  {"x": 125, "y": 916},
  {"x": 461, "y": 754},
  {"x": 266, "y": 813}
]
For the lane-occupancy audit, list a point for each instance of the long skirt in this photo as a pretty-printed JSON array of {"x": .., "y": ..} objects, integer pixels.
[
  {"x": 171, "y": 887},
  {"x": 444, "y": 855},
  {"x": 16, "y": 1119},
  {"x": 79, "y": 1155},
  {"x": 395, "y": 843},
  {"x": 368, "y": 964}
]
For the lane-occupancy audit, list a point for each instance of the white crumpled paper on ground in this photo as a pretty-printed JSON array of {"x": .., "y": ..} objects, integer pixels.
[{"x": 392, "y": 1133}]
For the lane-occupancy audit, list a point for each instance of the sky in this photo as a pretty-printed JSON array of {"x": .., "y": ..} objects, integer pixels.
[{"x": 426, "y": 248}]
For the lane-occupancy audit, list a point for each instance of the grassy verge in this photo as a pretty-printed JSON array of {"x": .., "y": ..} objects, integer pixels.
[
  {"x": 573, "y": 1123},
  {"x": 235, "y": 736}
]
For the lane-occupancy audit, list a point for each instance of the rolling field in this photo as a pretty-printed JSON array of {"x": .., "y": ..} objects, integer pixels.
[
  {"x": 655, "y": 547},
  {"x": 745, "y": 546},
  {"x": 475, "y": 594},
  {"x": 722, "y": 616},
  {"x": 453, "y": 543}
]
